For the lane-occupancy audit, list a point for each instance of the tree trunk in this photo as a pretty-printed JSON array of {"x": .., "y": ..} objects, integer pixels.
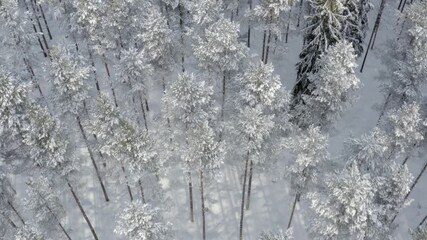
[
  {"x": 40, "y": 26},
  {"x": 98, "y": 175},
  {"x": 143, "y": 113},
  {"x": 268, "y": 46},
  {"x": 376, "y": 26},
  {"x": 44, "y": 19},
  {"x": 384, "y": 108},
  {"x": 400, "y": 4},
  {"x": 82, "y": 211},
  {"x": 142, "y": 190},
  {"x": 190, "y": 191},
  {"x": 263, "y": 45},
  {"x": 16, "y": 212},
  {"x": 203, "y": 204},
  {"x": 36, "y": 32},
  {"x": 293, "y": 210},
  {"x": 104, "y": 59},
  {"x": 422, "y": 221},
  {"x": 242, "y": 209},
  {"x": 94, "y": 70},
  {"x": 289, "y": 20},
  {"x": 250, "y": 184},
  {"x": 181, "y": 26},
  {"x": 127, "y": 182},
  {"x": 9, "y": 221}
]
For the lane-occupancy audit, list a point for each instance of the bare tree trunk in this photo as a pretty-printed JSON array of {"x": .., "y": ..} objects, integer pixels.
[
  {"x": 384, "y": 108},
  {"x": 222, "y": 103},
  {"x": 400, "y": 4},
  {"x": 190, "y": 192},
  {"x": 16, "y": 212},
  {"x": 250, "y": 184},
  {"x": 181, "y": 26},
  {"x": 289, "y": 20},
  {"x": 82, "y": 211},
  {"x": 95, "y": 166},
  {"x": 376, "y": 26},
  {"x": 373, "y": 41},
  {"x": 94, "y": 70},
  {"x": 142, "y": 190},
  {"x": 40, "y": 26},
  {"x": 127, "y": 182},
  {"x": 263, "y": 45},
  {"x": 249, "y": 24},
  {"x": 422, "y": 221},
  {"x": 268, "y": 46},
  {"x": 44, "y": 19},
  {"x": 203, "y": 204},
  {"x": 293, "y": 210},
  {"x": 10, "y": 221},
  {"x": 35, "y": 31},
  {"x": 104, "y": 59},
  {"x": 143, "y": 114},
  {"x": 242, "y": 209}
]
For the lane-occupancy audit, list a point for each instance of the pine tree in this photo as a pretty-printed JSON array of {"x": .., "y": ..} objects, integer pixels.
[
  {"x": 206, "y": 12},
  {"x": 420, "y": 233},
  {"x": 271, "y": 15},
  {"x": 253, "y": 128},
  {"x": 334, "y": 85},
  {"x": 324, "y": 29},
  {"x": 43, "y": 201},
  {"x": 28, "y": 233},
  {"x": 310, "y": 149},
  {"x": 220, "y": 51},
  {"x": 352, "y": 28},
  {"x": 187, "y": 103},
  {"x": 342, "y": 209},
  {"x": 141, "y": 221},
  {"x": 208, "y": 153}
]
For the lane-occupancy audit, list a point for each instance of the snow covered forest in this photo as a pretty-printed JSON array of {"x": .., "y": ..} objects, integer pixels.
[{"x": 213, "y": 119}]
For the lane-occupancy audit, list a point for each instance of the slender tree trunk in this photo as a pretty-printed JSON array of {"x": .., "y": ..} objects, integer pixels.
[
  {"x": 82, "y": 211},
  {"x": 127, "y": 182},
  {"x": 104, "y": 59},
  {"x": 146, "y": 104},
  {"x": 293, "y": 210},
  {"x": 44, "y": 19},
  {"x": 16, "y": 212},
  {"x": 251, "y": 169},
  {"x": 181, "y": 26},
  {"x": 9, "y": 221},
  {"x": 249, "y": 24},
  {"x": 222, "y": 103},
  {"x": 400, "y": 4},
  {"x": 40, "y": 26},
  {"x": 142, "y": 190},
  {"x": 203, "y": 204},
  {"x": 403, "y": 6},
  {"x": 36, "y": 32},
  {"x": 373, "y": 41},
  {"x": 376, "y": 26},
  {"x": 289, "y": 20},
  {"x": 95, "y": 166},
  {"x": 190, "y": 192},
  {"x": 268, "y": 46},
  {"x": 242, "y": 209},
  {"x": 422, "y": 222},
  {"x": 264, "y": 38},
  {"x": 94, "y": 70},
  {"x": 143, "y": 114},
  {"x": 384, "y": 108}
]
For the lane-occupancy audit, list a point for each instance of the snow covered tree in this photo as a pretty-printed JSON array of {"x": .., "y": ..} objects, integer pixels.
[
  {"x": 333, "y": 87},
  {"x": 408, "y": 69},
  {"x": 420, "y": 233},
  {"x": 363, "y": 9},
  {"x": 206, "y": 11},
  {"x": 258, "y": 85},
  {"x": 253, "y": 128},
  {"x": 104, "y": 124},
  {"x": 141, "y": 221},
  {"x": 156, "y": 40},
  {"x": 45, "y": 204},
  {"x": 352, "y": 27},
  {"x": 69, "y": 77},
  {"x": 27, "y": 232},
  {"x": 7, "y": 196},
  {"x": 13, "y": 100},
  {"x": 271, "y": 15},
  {"x": 310, "y": 149},
  {"x": 208, "y": 153},
  {"x": 342, "y": 209},
  {"x": 277, "y": 236},
  {"x": 134, "y": 71},
  {"x": 220, "y": 51},
  {"x": 324, "y": 28},
  {"x": 187, "y": 103}
]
